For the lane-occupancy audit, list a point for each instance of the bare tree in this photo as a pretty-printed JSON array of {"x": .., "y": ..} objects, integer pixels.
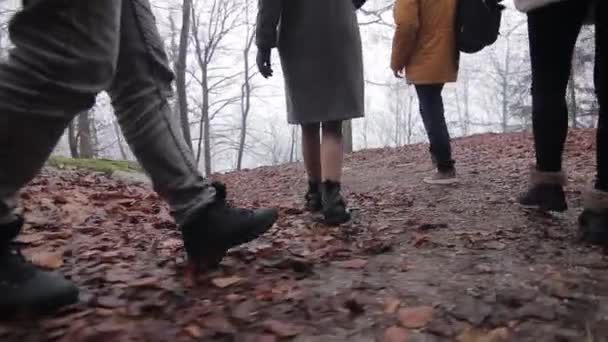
[
  {"x": 246, "y": 88},
  {"x": 209, "y": 33},
  {"x": 347, "y": 133},
  {"x": 182, "y": 61},
  {"x": 85, "y": 135},
  {"x": 73, "y": 140}
]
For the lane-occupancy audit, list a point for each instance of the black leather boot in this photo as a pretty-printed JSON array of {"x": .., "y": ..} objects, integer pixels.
[
  {"x": 211, "y": 232},
  {"x": 334, "y": 205},
  {"x": 23, "y": 287},
  {"x": 313, "y": 197}
]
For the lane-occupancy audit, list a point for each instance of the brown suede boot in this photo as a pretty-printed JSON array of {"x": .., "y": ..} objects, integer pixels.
[
  {"x": 593, "y": 222},
  {"x": 545, "y": 192}
]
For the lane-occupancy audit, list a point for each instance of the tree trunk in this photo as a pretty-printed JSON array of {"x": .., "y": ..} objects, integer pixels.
[
  {"x": 347, "y": 133},
  {"x": 245, "y": 94},
  {"x": 85, "y": 136},
  {"x": 573, "y": 101},
  {"x": 180, "y": 82},
  {"x": 505, "y": 88},
  {"x": 410, "y": 125},
  {"x": 467, "y": 115},
  {"x": 123, "y": 152},
  {"x": 207, "y": 135},
  {"x": 73, "y": 139}
]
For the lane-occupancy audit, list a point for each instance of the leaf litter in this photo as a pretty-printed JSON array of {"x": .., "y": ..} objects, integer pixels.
[{"x": 457, "y": 264}]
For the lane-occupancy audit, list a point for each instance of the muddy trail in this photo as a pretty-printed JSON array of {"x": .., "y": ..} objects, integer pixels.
[{"x": 417, "y": 263}]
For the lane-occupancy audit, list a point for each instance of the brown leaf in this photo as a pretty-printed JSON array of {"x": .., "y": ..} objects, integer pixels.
[
  {"x": 419, "y": 239},
  {"x": 194, "y": 331},
  {"x": 476, "y": 335},
  {"x": 245, "y": 310},
  {"x": 282, "y": 329},
  {"x": 414, "y": 318},
  {"x": 352, "y": 264},
  {"x": 48, "y": 260},
  {"x": 110, "y": 302},
  {"x": 60, "y": 199},
  {"x": 391, "y": 305},
  {"x": 226, "y": 282},
  {"x": 146, "y": 282},
  {"x": 497, "y": 245},
  {"x": 30, "y": 239},
  {"x": 171, "y": 244},
  {"x": 219, "y": 324},
  {"x": 395, "y": 334}
]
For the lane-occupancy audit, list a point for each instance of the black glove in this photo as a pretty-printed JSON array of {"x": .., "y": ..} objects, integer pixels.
[
  {"x": 358, "y": 3},
  {"x": 263, "y": 61}
]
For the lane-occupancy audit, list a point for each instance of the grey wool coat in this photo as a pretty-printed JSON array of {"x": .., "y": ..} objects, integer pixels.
[{"x": 320, "y": 50}]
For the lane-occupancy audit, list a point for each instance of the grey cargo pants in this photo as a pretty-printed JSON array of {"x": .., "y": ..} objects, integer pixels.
[{"x": 66, "y": 52}]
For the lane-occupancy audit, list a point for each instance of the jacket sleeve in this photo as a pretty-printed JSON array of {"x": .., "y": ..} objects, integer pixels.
[
  {"x": 406, "y": 14},
  {"x": 269, "y": 15}
]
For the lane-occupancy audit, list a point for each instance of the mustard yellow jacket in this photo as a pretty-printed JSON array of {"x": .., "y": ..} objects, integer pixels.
[{"x": 424, "y": 43}]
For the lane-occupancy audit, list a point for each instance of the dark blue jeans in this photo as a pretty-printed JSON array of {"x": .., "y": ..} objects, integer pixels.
[
  {"x": 553, "y": 32},
  {"x": 66, "y": 52},
  {"x": 433, "y": 116}
]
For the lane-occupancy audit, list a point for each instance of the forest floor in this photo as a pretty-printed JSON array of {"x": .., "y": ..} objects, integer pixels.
[{"x": 417, "y": 263}]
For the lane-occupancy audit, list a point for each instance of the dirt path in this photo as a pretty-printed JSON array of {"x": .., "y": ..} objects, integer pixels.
[{"x": 418, "y": 263}]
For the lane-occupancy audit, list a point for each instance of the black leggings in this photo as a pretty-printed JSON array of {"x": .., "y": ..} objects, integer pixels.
[
  {"x": 433, "y": 117},
  {"x": 553, "y": 32}
]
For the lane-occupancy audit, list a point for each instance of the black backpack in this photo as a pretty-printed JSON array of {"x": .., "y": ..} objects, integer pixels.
[{"x": 477, "y": 24}]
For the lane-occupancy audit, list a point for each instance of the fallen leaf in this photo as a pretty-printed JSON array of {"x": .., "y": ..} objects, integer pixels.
[
  {"x": 172, "y": 244},
  {"x": 395, "y": 334},
  {"x": 419, "y": 239},
  {"x": 497, "y": 245},
  {"x": 414, "y": 318},
  {"x": 282, "y": 329},
  {"x": 145, "y": 282},
  {"x": 30, "y": 239},
  {"x": 476, "y": 335},
  {"x": 194, "y": 331},
  {"x": 110, "y": 302},
  {"x": 219, "y": 324},
  {"x": 48, "y": 260},
  {"x": 245, "y": 310},
  {"x": 226, "y": 282},
  {"x": 354, "y": 307},
  {"x": 352, "y": 264},
  {"x": 391, "y": 305}
]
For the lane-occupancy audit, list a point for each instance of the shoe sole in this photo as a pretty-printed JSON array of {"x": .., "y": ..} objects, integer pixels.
[
  {"x": 441, "y": 182},
  {"x": 541, "y": 208}
]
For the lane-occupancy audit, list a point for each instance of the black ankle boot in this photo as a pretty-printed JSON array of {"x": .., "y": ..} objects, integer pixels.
[
  {"x": 334, "y": 205},
  {"x": 24, "y": 288},
  {"x": 215, "y": 229},
  {"x": 546, "y": 192},
  {"x": 593, "y": 222},
  {"x": 313, "y": 197}
]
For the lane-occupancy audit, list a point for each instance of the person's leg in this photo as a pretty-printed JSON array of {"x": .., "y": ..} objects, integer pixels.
[
  {"x": 332, "y": 154},
  {"x": 433, "y": 117},
  {"x": 65, "y": 53},
  {"x": 601, "y": 88},
  {"x": 311, "y": 151},
  {"x": 594, "y": 219},
  {"x": 553, "y": 31},
  {"x": 139, "y": 95},
  {"x": 332, "y": 151}
]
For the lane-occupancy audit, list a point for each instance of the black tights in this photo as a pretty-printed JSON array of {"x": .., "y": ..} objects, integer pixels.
[{"x": 553, "y": 32}]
